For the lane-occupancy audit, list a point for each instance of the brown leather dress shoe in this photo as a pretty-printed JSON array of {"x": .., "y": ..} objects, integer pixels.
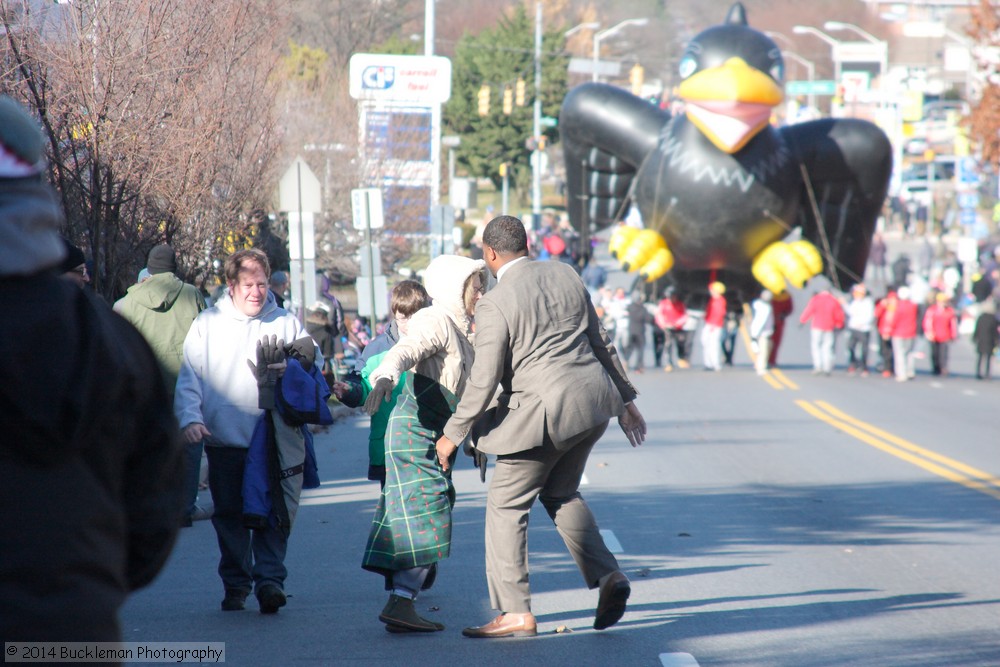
[
  {"x": 611, "y": 602},
  {"x": 505, "y": 625}
]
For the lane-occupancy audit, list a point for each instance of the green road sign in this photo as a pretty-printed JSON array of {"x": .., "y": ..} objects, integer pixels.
[{"x": 810, "y": 87}]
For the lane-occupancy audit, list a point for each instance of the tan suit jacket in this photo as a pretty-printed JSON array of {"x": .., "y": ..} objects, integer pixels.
[{"x": 539, "y": 338}]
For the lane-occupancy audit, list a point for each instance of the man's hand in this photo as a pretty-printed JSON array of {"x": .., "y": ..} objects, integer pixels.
[
  {"x": 379, "y": 394},
  {"x": 633, "y": 425},
  {"x": 196, "y": 433},
  {"x": 340, "y": 388},
  {"x": 273, "y": 350},
  {"x": 445, "y": 449}
]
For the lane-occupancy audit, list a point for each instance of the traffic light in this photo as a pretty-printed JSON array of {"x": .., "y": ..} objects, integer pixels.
[
  {"x": 535, "y": 143},
  {"x": 519, "y": 92},
  {"x": 508, "y": 100},
  {"x": 635, "y": 77},
  {"x": 484, "y": 100},
  {"x": 503, "y": 169}
]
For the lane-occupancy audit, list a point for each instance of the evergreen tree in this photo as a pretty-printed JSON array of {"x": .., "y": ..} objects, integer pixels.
[{"x": 497, "y": 57}]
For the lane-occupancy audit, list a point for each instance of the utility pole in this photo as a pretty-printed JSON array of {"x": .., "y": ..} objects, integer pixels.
[
  {"x": 429, "y": 27},
  {"x": 536, "y": 156}
]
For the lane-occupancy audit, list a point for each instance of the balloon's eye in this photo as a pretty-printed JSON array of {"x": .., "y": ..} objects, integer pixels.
[
  {"x": 687, "y": 67},
  {"x": 777, "y": 71}
]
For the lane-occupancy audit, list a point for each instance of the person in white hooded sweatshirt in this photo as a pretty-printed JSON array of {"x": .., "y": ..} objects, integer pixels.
[
  {"x": 411, "y": 529},
  {"x": 216, "y": 400},
  {"x": 761, "y": 329}
]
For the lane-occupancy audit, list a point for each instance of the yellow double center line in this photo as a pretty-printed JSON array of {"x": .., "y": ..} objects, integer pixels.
[
  {"x": 773, "y": 376},
  {"x": 778, "y": 380},
  {"x": 940, "y": 465}
]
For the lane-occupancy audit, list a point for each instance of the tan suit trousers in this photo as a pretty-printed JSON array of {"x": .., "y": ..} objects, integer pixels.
[{"x": 552, "y": 473}]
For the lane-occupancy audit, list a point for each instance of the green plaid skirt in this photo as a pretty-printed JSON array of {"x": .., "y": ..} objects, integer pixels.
[{"x": 412, "y": 524}]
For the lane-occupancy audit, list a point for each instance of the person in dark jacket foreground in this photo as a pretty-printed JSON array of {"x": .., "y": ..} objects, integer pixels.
[{"x": 91, "y": 458}]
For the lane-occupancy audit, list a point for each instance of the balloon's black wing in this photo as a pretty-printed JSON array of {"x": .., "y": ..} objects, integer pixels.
[
  {"x": 846, "y": 164},
  {"x": 606, "y": 134}
]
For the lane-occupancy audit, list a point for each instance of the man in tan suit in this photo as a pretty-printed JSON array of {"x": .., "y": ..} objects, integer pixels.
[{"x": 539, "y": 338}]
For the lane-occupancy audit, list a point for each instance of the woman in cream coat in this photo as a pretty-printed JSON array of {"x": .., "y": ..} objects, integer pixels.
[{"x": 411, "y": 530}]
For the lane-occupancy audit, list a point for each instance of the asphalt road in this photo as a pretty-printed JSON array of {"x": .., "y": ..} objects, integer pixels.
[{"x": 787, "y": 520}]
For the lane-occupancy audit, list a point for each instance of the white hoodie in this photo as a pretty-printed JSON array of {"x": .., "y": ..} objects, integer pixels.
[
  {"x": 216, "y": 386},
  {"x": 438, "y": 343}
]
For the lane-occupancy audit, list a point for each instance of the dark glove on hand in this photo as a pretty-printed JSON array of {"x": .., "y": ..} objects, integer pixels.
[
  {"x": 270, "y": 352},
  {"x": 379, "y": 394},
  {"x": 478, "y": 459},
  {"x": 304, "y": 351}
]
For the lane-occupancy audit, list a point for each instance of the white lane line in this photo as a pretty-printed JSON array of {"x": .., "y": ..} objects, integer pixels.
[
  {"x": 584, "y": 480},
  {"x": 614, "y": 546},
  {"x": 678, "y": 660}
]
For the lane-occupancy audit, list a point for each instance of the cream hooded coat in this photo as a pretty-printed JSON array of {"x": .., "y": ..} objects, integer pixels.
[{"x": 438, "y": 343}]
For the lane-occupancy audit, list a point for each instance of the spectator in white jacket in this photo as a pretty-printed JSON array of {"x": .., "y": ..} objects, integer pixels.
[
  {"x": 860, "y": 322},
  {"x": 216, "y": 401},
  {"x": 761, "y": 328}
]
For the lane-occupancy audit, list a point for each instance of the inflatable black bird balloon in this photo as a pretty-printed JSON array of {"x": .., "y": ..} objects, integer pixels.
[{"x": 723, "y": 194}]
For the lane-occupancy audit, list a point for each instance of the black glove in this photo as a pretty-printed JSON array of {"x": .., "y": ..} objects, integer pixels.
[
  {"x": 478, "y": 459},
  {"x": 378, "y": 395},
  {"x": 302, "y": 350},
  {"x": 270, "y": 365}
]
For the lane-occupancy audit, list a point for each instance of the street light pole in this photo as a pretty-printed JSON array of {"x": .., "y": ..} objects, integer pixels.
[
  {"x": 773, "y": 34},
  {"x": 429, "y": 27},
  {"x": 598, "y": 36},
  {"x": 809, "y": 30},
  {"x": 536, "y": 131},
  {"x": 968, "y": 43},
  {"x": 811, "y": 72},
  {"x": 840, "y": 25},
  {"x": 589, "y": 25},
  {"x": 451, "y": 141},
  {"x": 883, "y": 62}
]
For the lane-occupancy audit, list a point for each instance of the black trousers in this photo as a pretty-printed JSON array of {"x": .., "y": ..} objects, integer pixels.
[{"x": 857, "y": 349}]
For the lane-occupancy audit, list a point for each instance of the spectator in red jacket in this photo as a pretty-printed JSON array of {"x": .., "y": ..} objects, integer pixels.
[
  {"x": 671, "y": 316},
  {"x": 940, "y": 328},
  {"x": 885, "y": 312},
  {"x": 711, "y": 331},
  {"x": 827, "y": 317},
  {"x": 904, "y": 335}
]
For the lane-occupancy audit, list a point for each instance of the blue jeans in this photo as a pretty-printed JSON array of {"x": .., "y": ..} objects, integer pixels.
[
  {"x": 248, "y": 558},
  {"x": 192, "y": 474}
]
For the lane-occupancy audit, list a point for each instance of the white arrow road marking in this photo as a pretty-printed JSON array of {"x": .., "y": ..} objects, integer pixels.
[{"x": 614, "y": 546}]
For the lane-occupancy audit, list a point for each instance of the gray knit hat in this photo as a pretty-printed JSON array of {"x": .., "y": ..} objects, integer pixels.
[
  {"x": 162, "y": 260},
  {"x": 30, "y": 215},
  {"x": 20, "y": 142}
]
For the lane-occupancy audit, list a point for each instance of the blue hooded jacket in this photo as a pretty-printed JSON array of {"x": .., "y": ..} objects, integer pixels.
[{"x": 282, "y": 455}]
